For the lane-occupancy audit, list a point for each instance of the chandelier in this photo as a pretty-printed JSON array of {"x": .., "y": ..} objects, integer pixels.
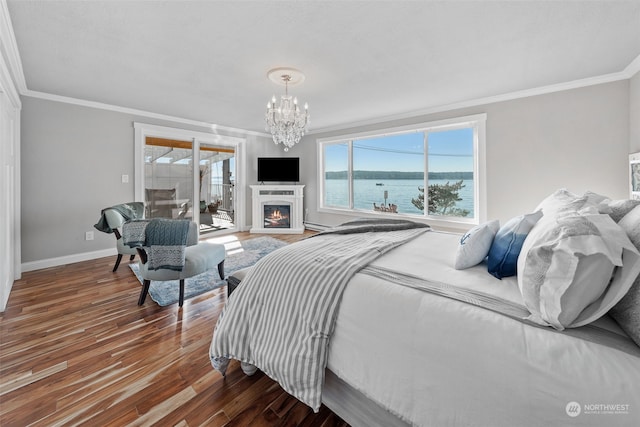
[{"x": 286, "y": 122}]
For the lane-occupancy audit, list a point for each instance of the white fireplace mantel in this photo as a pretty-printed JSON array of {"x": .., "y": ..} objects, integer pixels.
[{"x": 281, "y": 195}]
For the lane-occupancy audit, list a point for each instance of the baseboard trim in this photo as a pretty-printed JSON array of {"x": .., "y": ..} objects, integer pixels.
[
  {"x": 67, "y": 259},
  {"x": 315, "y": 227}
]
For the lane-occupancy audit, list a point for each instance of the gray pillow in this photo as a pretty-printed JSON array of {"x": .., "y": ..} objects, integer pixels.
[
  {"x": 619, "y": 208},
  {"x": 627, "y": 311}
]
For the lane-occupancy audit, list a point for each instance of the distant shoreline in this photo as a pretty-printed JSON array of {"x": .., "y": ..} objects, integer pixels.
[{"x": 359, "y": 174}]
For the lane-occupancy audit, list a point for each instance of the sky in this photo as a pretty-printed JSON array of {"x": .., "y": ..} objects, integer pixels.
[{"x": 449, "y": 151}]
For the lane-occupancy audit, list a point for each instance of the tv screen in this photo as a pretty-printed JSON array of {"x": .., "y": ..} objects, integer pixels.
[{"x": 278, "y": 169}]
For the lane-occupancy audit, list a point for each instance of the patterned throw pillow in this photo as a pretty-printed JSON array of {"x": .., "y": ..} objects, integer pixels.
[
  {"x": 475, "y": 244},
  {"x": 503, "y": 255},
  {"x": 627, "y": 311},
  {"x": 620, "y": 208}
]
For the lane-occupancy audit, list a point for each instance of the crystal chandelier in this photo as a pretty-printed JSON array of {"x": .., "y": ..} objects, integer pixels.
[{"x": 286, "y": 122}]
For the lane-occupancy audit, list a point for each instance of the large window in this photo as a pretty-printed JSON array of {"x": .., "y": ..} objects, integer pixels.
[{"x": 432, "y": 170}]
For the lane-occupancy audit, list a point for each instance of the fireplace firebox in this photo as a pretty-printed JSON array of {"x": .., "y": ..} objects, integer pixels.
[{"x": 277, "y": 216}]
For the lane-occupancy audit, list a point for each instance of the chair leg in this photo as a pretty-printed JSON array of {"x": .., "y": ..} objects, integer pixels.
[
  {"x": 115, "y": 267},
  {"x": 221, "y": 269},
  {"x": 143, "y": 293},
  {"x": 181, "y": 300},
  {"x": 132, "y": 257}
]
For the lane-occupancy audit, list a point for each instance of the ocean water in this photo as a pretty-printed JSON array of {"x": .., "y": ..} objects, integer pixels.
[{"x": 399, "y": 192}]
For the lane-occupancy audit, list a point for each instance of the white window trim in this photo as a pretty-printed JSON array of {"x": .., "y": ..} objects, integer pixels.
[
  {"x": 478, "y": 121},
  {"x": 143, "y": 130}
]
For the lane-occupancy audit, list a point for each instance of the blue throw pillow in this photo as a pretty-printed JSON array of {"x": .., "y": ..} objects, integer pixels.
[{"x": 504, "y": 251}]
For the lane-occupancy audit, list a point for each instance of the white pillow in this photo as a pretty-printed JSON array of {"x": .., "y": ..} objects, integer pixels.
[
  {"x": 570, "y": 269},
  {"x": 595, "y": 198},
  {"x": 474, "y": 245},
  {"x": 601, "y": 202},
  {"x": 562, "y": 202}
]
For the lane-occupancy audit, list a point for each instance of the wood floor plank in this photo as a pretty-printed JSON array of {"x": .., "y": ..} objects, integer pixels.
[
  {"x": 30, "y": 377},
  {"x": 76, "y": 349}
]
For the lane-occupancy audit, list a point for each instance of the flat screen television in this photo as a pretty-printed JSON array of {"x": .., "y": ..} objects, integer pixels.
[{"x": 278, "y": 169}]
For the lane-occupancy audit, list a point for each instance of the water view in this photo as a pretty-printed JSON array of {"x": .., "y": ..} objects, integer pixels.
[
  {"x": 366, "y": 192},
  {"x": 387, "y": 170}
]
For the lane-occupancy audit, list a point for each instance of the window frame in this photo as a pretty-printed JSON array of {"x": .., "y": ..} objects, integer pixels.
[{"x": 476, "y": 121}]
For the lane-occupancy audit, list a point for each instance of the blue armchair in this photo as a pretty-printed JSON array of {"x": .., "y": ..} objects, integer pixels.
[
  {"x": 198, "y": 257},
  {"x": 111, "y": 221}
]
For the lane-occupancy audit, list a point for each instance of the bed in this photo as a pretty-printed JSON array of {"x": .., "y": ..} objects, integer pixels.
[{"x": 415, "y": 341}]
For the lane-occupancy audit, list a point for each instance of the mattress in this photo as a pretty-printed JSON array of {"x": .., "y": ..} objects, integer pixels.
[{"x": 431, "y": 360}]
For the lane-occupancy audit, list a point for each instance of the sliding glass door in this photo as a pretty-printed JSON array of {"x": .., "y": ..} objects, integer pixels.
[
  {"x": 168, "y": 177},
  {"x": 169, "y": 182},
  {"x": 192, "y": 175},
  {"x": 216, "y": 187}
]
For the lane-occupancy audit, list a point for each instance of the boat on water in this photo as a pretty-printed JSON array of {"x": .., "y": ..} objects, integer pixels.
[{"x": 379, "y": 184}]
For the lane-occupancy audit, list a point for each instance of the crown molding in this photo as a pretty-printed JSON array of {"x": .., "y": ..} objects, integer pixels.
[
  {"x": 633, "y": 68},
  {"x": 627, "y": 73},
  {"x": 8, "y": 40},
  {"x": 11, "y": 76},
  {"x": 125, "y": 110},
  {"x": 7, "y": 85}
]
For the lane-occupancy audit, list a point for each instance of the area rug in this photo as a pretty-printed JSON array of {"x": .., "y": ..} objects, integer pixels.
[{"x": 245, "y": 254}]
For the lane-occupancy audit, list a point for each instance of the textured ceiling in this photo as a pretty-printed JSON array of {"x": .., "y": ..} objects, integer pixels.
[{"x": 208, "y": 60}]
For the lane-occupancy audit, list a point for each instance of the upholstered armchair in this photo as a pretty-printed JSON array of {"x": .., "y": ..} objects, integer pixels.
[
  {"x": 183, "y": 258},
  {"x": 111, "y": 221}
]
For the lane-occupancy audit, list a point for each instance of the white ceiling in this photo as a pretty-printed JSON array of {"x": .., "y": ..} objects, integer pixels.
[{"x": 208, "y": 60}]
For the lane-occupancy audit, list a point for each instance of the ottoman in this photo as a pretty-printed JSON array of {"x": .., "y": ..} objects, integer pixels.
[{"x": 234, "y": 280}]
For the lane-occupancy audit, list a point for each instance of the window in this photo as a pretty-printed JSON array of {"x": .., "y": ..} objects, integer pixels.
[
  {"x": 431, "y": 170},
  {"x": 336, "y": 184}
]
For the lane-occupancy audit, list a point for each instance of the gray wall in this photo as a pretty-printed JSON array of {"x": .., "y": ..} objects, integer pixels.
[
  {"x": 577, "y": 139},
  {"x": 634, "y": 114},
  {"x": 73, "y": 158}
]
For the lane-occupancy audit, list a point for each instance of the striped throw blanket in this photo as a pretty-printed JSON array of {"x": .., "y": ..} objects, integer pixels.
[{"x": 282, "y": 316}]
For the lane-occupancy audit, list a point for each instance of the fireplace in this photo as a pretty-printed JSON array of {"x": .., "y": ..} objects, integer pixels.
[
  {"x": 277, "y": 209},
  {"x": 277, "y": 216}
]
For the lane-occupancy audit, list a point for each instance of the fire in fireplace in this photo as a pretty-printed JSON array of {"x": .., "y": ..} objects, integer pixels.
[{"x": 277, "y": 216}]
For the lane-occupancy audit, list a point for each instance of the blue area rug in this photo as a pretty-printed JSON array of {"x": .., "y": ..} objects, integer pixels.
[{"x": 240, "y": 255}]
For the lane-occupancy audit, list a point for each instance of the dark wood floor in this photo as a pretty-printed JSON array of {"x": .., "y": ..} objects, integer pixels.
[{"x": 75, "y": 349}]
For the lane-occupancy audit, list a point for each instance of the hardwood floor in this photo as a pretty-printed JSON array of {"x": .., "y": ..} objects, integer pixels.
[{"x": 76, "y": 349}]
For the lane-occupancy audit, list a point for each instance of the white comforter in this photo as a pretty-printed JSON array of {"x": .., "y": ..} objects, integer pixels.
[{"x": 438, "y": 362}]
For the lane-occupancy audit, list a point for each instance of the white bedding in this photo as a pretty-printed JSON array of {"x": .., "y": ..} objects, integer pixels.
[{"x": 434, "y": 361}]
